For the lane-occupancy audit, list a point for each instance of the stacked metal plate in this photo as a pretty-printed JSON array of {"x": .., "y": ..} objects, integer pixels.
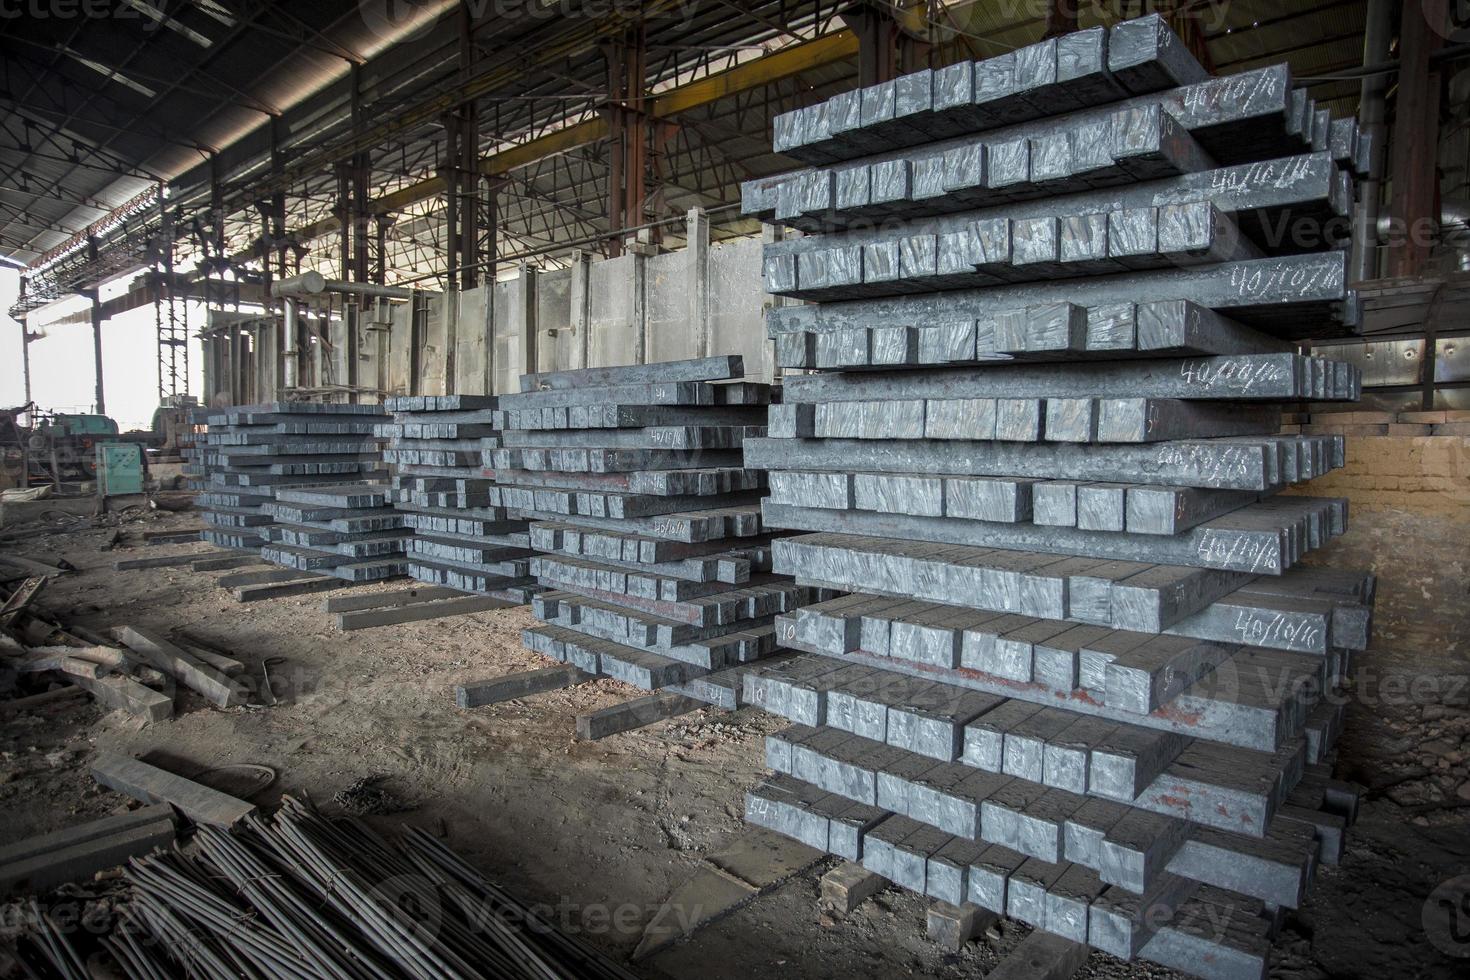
[
  {"x": 1083, "y": 676},
  {"x": 648, "y": 527},
  {"x": 443, "y": 490},
  {"x": 249, "y": 453}
]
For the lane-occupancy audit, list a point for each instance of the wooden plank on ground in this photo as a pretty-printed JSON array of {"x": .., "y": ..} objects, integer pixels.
[
  {"x": 634, "y": 714},
  {"x": 849, "y": 885},
  {"x": 151, "y": 784},
  {"x": 382, "y": 600},
  {"x": 20, "y": 598},
  {"x": 952, "y": 926},
  {"x": 216, "y": 656},
  {"x": 366, "y": 618},
  {"x": 100, "y": 656},
  {"x": 40, "y": 700},
  {"x": 41, "y": 871},
  {"x": 519, "y": 685},
  {"x": 218, "y": 687},
  {"x": 117, "y": 691},
  {"x": 31, "y": 567},
  {"x": 1041, "y": 956},
  {"x": 59, "y": 659}
]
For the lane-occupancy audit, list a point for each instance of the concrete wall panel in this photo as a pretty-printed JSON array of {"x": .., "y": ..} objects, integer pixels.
[
  {"x": 668, "y": 290},
  {"x": 737, "y": 312},
  {"x": 615, "y": 314},
  {"x": 472, "y": 353},
  {"x": 556, "y": 344}
]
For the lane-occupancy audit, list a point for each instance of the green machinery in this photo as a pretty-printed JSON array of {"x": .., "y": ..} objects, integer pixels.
[
  {"x": 119, "y": 468},
  {"x": 61, "y": 448}
]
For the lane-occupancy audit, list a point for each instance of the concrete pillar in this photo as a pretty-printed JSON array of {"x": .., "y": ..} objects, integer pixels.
[
  {"x": 581, "y": 303},
  {"x": 640, "y": 307},
  {"x": 526, "y": 313},
  {"x": 697, "y": 254},
  {"x": 451, "y": 340}
]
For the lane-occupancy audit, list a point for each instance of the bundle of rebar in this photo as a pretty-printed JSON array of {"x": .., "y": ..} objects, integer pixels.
[{"x": 298, "y": 895}]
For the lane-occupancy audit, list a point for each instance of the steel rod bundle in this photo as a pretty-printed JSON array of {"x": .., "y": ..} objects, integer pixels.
[{"x": 298, "y": 895}]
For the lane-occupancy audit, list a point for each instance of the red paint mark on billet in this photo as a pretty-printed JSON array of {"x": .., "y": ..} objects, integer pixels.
[{"x": 1169, "y": 713}]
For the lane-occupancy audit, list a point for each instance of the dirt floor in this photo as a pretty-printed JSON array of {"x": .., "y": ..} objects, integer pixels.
[{"x": 594, "y": 828}]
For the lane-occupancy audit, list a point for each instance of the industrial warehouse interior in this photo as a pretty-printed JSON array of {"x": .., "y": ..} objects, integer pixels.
[{"x": 723, "y": 488}]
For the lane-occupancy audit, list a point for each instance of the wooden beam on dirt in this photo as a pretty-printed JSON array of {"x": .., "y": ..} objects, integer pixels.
[
  {"x": 151, "y": 784},
  {"x": 849, "y": 885},
  {"x": 16, "y": 705},
  {"x": 31, "y": 567},
  {"x": 116, "y": 691},
  {"x": 952, "y": 926},
  {"x": 218, "y": 687}
]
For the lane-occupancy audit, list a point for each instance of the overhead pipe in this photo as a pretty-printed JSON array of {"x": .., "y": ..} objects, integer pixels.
[{"x": 311, "y": 284}]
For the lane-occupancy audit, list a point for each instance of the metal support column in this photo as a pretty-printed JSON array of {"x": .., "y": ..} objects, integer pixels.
[
  {"x": 468, "y": 160},
  {"x": 1377, "y": 39},
  {"x": 96, "y": 299},
  {"x": 1061, "y": 18},
  {"x": 1416, "y": 136},
  {"x": 25, "y": 356},
  {"x": 490, "y": 229},
  {"x": 380, "y": 271},
  {"x": 449, "y": 170},
  {"x": 628, "y": 135},
  {"x": 875, "y": 33}
]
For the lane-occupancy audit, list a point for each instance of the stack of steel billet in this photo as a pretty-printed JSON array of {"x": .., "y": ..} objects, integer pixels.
[
  {"x": 461, "y": 537},
  {"x": 349, "y": 531},
  {"x": 251, "y": 452},
  {"x": 1081, "y": 676},
  {"x": 651, "y": 544}
]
